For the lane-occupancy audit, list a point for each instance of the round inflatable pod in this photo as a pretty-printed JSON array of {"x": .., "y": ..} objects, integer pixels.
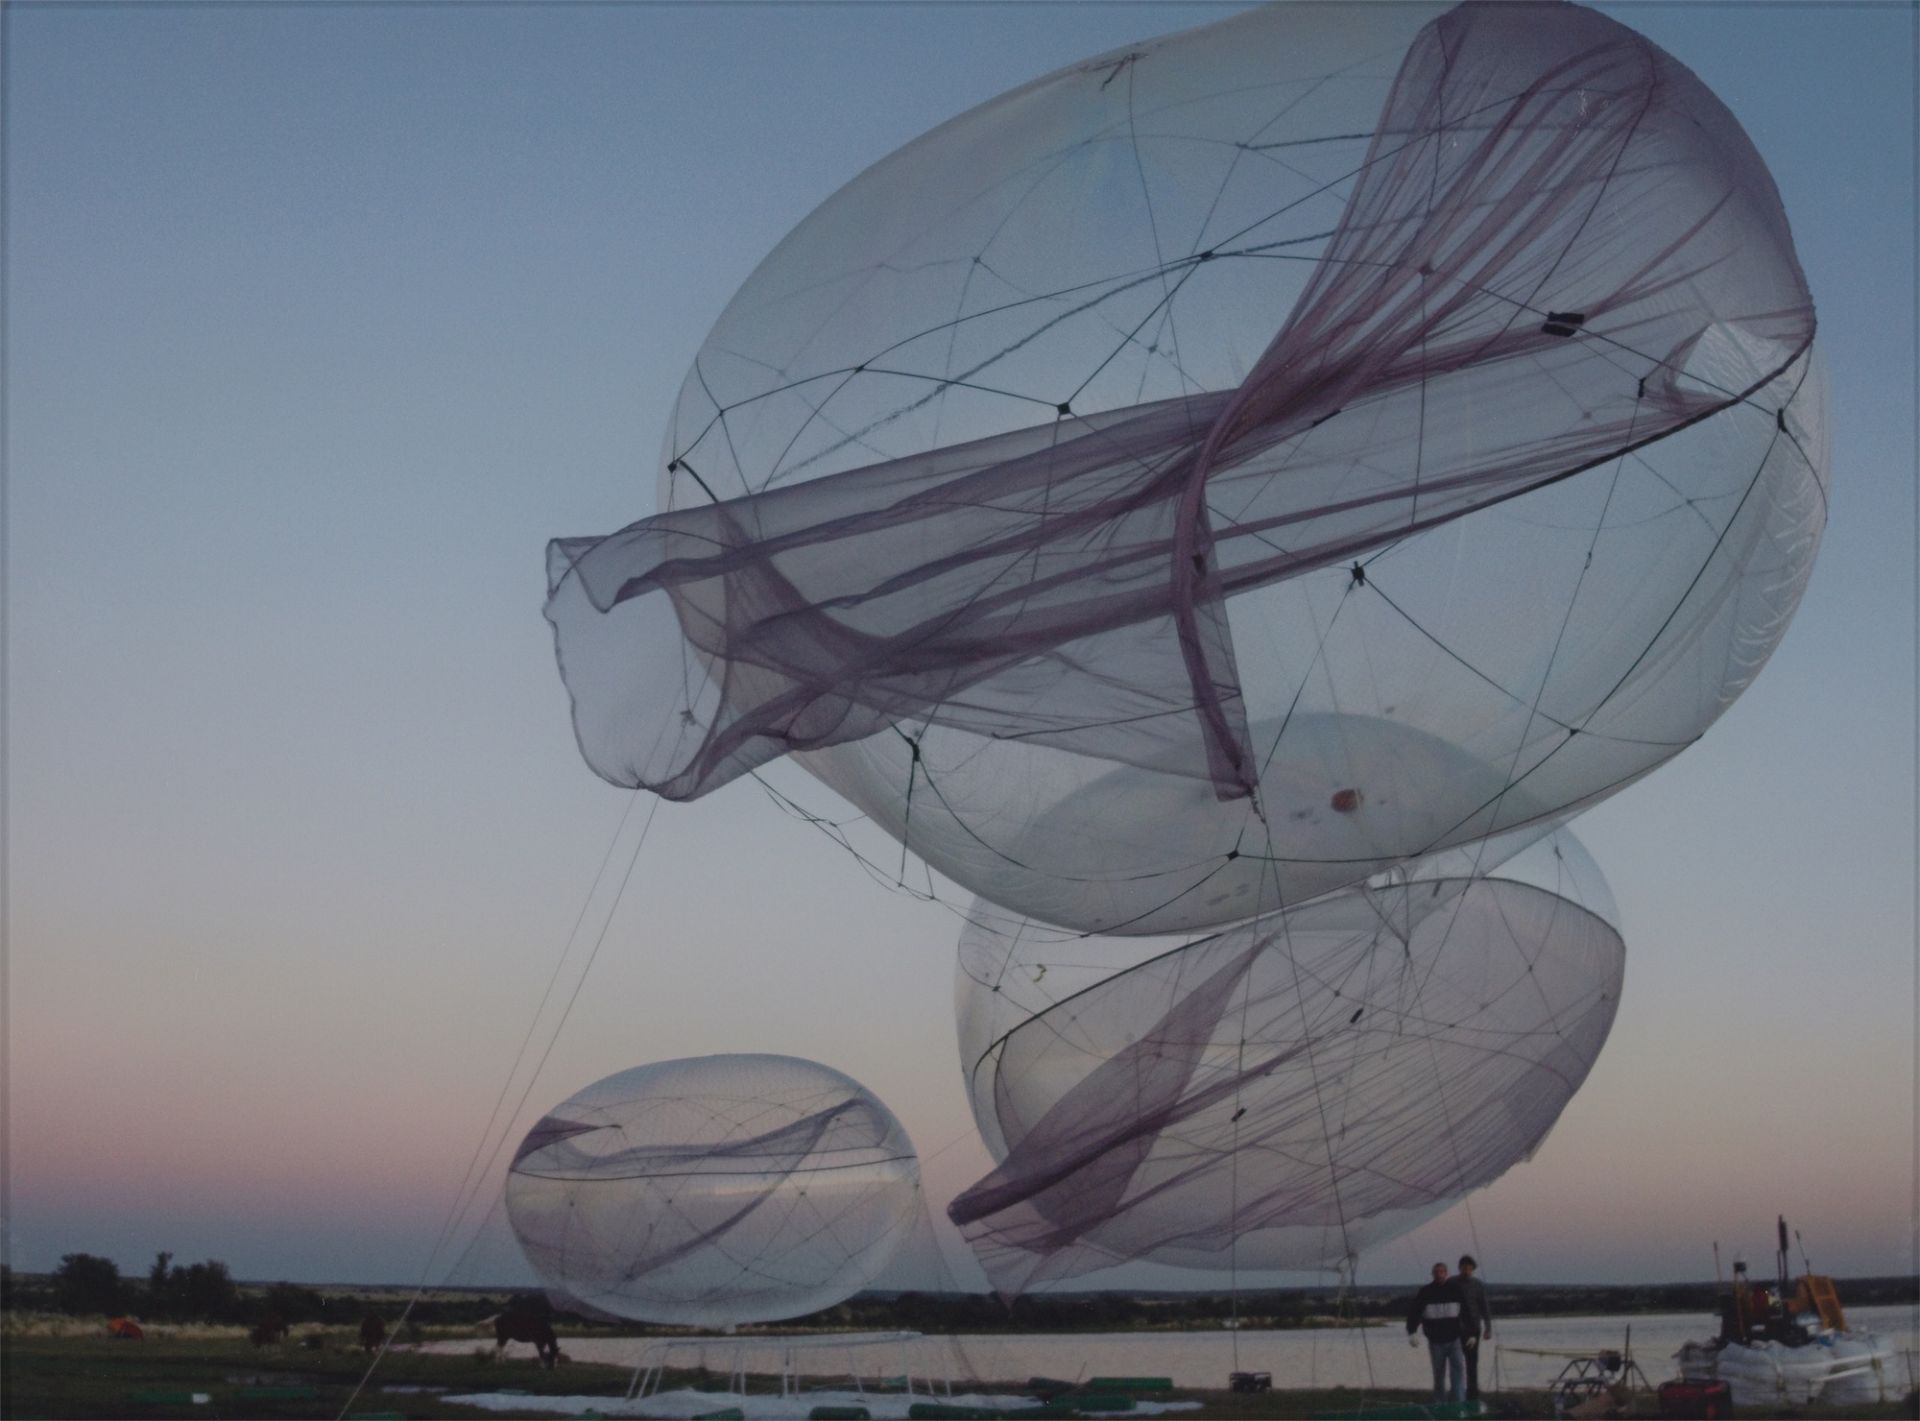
[{"x": 714, "y": 1191}]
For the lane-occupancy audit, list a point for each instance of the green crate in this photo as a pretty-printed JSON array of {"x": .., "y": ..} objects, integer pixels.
[{"x": 1130, "y": 1384}]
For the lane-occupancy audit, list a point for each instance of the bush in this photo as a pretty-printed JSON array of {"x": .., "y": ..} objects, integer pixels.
[
  {"x": 205, "y": 1291},
  {"x": 85, "y": 1284},
  {"x": 295, "y": 1304}
]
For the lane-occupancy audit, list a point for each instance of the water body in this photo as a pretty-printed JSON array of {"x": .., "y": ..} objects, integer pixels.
[
  {"x": 1374, "y": 1357},
  {"x": 1380, "y": 1356}
]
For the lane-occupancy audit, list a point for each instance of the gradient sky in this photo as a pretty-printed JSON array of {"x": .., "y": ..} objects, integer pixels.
[{"x": 321, "y": 320}]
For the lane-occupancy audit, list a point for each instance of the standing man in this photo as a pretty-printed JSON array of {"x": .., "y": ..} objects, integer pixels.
[
  {"x": 1436, "y": 1311},
  {"x": 1476, "y": 1321}
]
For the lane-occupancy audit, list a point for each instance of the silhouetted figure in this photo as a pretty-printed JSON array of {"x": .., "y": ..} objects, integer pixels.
[
  {"x": 522, "y": 1322},
  {"x": 373, "y": 1333},
  {"x": 271, "y": 1328},
  {"x": 1476, "y": 1321}
]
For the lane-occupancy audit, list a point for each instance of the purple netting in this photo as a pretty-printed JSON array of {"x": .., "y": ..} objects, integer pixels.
[
  {"x": 1288, "y": 1093},
  {"x": 714, "y": 1191},
  {"x": 1017, "y": 489}
]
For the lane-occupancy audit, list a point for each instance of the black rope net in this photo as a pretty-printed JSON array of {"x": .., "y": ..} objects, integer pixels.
[
  {"x": 1237, "y": 486},
  {"x": 714, "y": 1191},
  {"x": 1289, "y": 1092}
]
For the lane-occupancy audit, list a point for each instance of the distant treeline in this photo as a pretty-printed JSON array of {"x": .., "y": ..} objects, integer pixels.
[
  {"x": 1282, "y": 1307},
  {"x": 206, "y": 1292},
  {"x": 86, "y": 1285}
]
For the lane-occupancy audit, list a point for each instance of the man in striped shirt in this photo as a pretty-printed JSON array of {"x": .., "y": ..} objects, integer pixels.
[{"x": 1436, "y": 1311}]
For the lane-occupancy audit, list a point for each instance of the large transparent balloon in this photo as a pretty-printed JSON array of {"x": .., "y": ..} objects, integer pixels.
[
  {"x": 714, "y": 1191},
  {"x": 1212, "y": 474},
  {"x": 1286, "y": 1094}
]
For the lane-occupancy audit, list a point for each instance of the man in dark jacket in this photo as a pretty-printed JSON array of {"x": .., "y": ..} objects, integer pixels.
[
  {"x": 1436, "y": 1312},
  {"x": 1476, "y": 1321}
]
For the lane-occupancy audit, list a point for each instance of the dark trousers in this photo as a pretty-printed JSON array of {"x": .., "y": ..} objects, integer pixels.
[{"x": 1473, "y": 1372}]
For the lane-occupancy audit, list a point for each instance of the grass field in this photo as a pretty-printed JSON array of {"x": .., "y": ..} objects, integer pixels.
[
  {"x": 58, "y": 1377},
  {"x": 312, "y": 1375}
]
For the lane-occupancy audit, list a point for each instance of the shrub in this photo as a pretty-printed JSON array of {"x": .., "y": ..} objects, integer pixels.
[{"x": 86, "y": 1284}]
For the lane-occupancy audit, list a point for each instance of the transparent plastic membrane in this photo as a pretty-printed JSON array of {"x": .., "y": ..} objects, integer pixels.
[
  {"x": 714, "y": 1191},
  {"x": 1228, "y": 505},
  {"x": 1285, "y": 1094},
  {"x": 1213, "y": 473}
]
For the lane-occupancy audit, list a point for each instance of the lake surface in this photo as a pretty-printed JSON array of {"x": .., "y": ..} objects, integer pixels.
[
  {"x": 1376, "y": 1357},
  {"x": 1380, "y": 1356}
]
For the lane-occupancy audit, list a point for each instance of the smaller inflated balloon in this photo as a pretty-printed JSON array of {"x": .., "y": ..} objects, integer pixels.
[
  {"x": 1288, "y": 1093},
  {"x": 714, "y": 1191}
]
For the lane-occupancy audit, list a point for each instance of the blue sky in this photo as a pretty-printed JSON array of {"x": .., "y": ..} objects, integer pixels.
[{"x": 321, "y": 320}]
